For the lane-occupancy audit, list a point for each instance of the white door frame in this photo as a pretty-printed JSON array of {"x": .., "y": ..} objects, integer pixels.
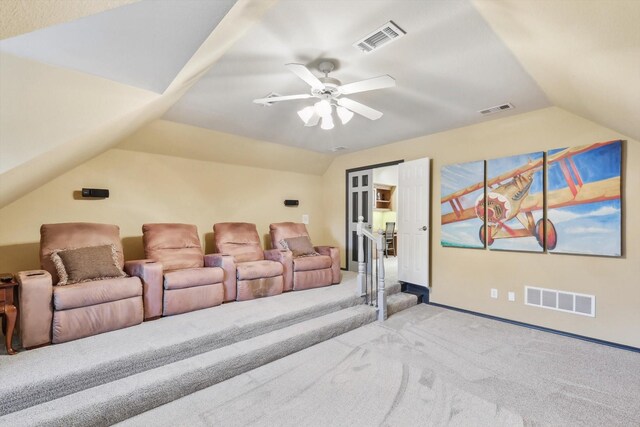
[{"x": 347, "y": 236}]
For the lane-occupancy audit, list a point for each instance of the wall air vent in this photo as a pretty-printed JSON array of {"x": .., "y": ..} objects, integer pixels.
[
  {"x": 381, "y": 37},
  {"x": 496, "y": 109},
  {"x": 569, "y": 302}
]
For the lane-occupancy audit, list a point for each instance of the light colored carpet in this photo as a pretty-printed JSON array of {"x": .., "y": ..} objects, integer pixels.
[
  {"x": 121, "y": 399},
  {"x": 39, "y": 375},
  {"x": 107, "y": 378},
  {"x": 425, "y": 366}
]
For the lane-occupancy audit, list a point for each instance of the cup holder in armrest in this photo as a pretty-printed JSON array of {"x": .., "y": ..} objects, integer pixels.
[{"x": 40, "y": 273}]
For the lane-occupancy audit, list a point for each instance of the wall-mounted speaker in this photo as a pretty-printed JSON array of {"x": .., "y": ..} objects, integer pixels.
[
  {"x": 98, "y": 193},
  {"x": 291, "y": 202}
]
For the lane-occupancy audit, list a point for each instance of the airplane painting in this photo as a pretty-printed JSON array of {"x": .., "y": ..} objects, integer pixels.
[
  {"x": 511, "y": 182},
  {"x": 461, "y": 184},
  {"x": 584, "y": 199}
]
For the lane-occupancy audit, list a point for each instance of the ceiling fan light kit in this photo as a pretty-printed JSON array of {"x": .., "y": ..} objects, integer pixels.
[
  {"x": 344, "y": 114},
  {"x": 330, "y": 91},
  {"x": 327, "y": 122},
  {"x": 323, "y": 108}
]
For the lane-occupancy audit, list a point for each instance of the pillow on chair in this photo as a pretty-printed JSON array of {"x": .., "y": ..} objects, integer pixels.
[
  {"x": 86, "y": 264},
  {"x": 301, "y": 246}
]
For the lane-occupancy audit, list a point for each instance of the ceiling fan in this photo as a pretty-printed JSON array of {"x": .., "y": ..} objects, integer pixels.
[{"x": 330, "y": 91}]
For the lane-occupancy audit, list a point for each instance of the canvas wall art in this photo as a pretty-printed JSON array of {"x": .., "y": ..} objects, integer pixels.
[
  {"x": 583, "y": 199},
  {"x": 515, "y": 203},
  {"x": 462, "y": 190}
]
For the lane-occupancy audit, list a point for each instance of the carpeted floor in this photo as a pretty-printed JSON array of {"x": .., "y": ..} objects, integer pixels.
[
  {"x": 425, "y": 366},
  {"x": 39, "y": 375}
]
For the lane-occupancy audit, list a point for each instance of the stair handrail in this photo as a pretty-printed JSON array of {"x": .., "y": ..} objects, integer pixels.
[{"x": 378, "y": 239}]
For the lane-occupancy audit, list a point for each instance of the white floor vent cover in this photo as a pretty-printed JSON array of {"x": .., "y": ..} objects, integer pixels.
[{"x": 569, "y": 302}]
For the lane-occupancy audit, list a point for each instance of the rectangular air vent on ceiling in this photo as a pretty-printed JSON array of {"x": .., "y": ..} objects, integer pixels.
[
  {"x": 496, "y": 109},
  {"x": 382, "y": 36},
  {"x": 569, "y": 302}
]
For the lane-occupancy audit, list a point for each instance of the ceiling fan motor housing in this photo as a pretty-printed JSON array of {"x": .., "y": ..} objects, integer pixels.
[{"x": 330, "y": 87}]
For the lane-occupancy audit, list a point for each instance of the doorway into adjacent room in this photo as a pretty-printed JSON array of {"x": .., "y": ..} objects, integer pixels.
[{"x": 374, "y": 192}]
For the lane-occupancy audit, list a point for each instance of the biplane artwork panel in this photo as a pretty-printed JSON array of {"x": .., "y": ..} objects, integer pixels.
[
  {"x": 514, "y": 203},
  {"x": 583, "y": 199},
  {"x": 462, "y": 188}
]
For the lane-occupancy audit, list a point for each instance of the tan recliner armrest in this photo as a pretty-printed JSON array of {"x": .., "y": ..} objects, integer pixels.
[
  {"x": 36, "y": 310},
  {"x": 151, "y": 275},
  {"x": 228, "y": 264},
  {"x": 286, "y": 259},
  {"x": 334, "y": 253}
]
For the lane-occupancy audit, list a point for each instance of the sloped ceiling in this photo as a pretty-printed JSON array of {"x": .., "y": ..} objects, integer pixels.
[
  {"x": 53, "y": 118},
  {"x": 144, "y": 44},
  {"x": 20, "y": 16},
  {"x": 583, "y": 56}
]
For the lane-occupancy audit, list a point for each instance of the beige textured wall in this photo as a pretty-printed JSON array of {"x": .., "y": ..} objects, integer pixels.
[
  {"x": 463, "y": 277},
  {"x": 156, "y": 188}
]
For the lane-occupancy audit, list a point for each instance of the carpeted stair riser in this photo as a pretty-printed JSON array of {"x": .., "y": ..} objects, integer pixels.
[
  {"x": 392, "y": 288},
  {"x": 54, "y": 387},
  {"x": 110, "y": 403},
  {"x": 400, "y": 301}
]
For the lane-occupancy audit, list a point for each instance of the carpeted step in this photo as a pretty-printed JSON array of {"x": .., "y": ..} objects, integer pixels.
[
  {"x": 400, "y": 301},
  {"x": 392, "y": 288},
  {"x": 121, "y": 399},
  {"x": 37, "y": 376}
]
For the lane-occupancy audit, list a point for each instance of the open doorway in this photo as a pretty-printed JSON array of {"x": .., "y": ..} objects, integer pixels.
[
  {"x": 371, "y": 193},
  {"x": 385, "y": 215},
  {"x": 393, "y": 197}
]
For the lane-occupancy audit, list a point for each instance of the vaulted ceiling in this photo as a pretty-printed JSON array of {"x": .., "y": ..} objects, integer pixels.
[{"x": 78, "y": 76}]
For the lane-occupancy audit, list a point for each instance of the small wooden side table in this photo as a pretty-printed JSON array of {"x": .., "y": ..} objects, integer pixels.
[{"x": 8, "y": 310}]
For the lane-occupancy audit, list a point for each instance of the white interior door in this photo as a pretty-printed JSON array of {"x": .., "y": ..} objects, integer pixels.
[
  {"x": 413, "y": 222},
  {"x": 360, "y": 203}
]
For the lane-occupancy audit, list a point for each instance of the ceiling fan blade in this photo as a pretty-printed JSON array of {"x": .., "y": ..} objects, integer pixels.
[
  {"x": 380, "y": 82},
  {"x": 269, "y": 100},
  {"x": 361, "y": 109},
  {"x": 306, "y": 75},
  {"x": 313, "y": 120}
]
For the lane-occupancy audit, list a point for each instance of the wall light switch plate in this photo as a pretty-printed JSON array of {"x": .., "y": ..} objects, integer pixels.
[
  {"x": 494, "y": 293},
  {"x": 305, "y": 219},
  {"x": 511, "y": 296}
]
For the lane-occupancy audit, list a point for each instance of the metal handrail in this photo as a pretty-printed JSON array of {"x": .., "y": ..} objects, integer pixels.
[{"x": 375, "y": 295}]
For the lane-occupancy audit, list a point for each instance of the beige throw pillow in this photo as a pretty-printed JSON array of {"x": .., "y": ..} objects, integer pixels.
[
  {"x": 86, "y": 264},
  {"x": 301, "y": 246}
]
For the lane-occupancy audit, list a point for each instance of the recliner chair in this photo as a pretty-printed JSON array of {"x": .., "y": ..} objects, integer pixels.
[
  {"x": 321, "y": 269},
  {"x": 176, "y": 263},
  {"x": 250, "y": 272},
  {"x": 52, "y": 313}
]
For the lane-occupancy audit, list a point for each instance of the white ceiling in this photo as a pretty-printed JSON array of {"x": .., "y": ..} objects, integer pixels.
[
  {"x": 449, "y": 65},
  {"x": 144, "y": 44}
]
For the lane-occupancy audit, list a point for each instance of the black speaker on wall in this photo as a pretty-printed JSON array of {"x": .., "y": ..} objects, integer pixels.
[
  {"x": 101, "y": 193},
  {"x": 291, "y": 202}
]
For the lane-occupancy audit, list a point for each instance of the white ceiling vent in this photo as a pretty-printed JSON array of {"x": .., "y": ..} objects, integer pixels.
[
  {"x": 496, "y": 109},
  {"x": 382, "y": 36},
  {"x": 340, "y": 148}
]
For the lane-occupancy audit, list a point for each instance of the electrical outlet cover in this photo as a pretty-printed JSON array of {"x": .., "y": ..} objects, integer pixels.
[
  {"x": 305, "y": 219},
  {"x": 512, "y": 296},
  {"x": 494, "y": 293}
]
